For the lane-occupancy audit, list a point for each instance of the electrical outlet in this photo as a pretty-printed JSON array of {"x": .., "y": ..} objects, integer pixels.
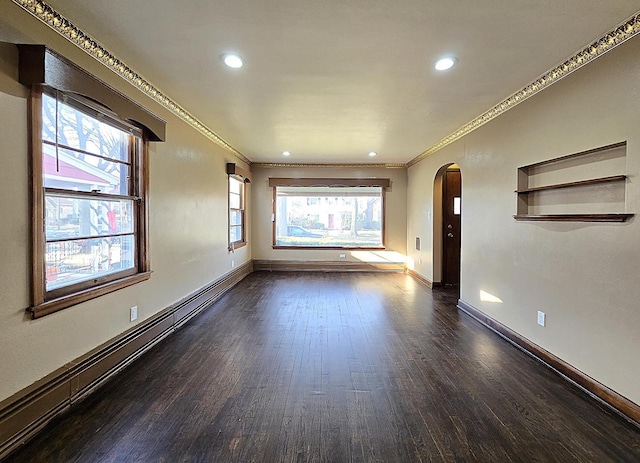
[
  {"x": 542, "y": 318},
  {"x": 133, "y": 313},
  {"x": 343, "y": 256},
  {"x": 233, "y": 263}
]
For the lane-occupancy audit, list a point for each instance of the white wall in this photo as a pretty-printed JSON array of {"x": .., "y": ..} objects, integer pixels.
[
  {"x": 583, "y": 275},
  {"x": 188, "y": 239}
]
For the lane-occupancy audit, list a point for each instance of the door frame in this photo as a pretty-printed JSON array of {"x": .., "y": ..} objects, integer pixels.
[{"x": 438, "y": 224}]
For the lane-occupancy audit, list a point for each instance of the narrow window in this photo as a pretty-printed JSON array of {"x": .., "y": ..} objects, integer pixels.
[
  {"x": 457, "y": 204},
  {"x": 237, "y": 235}
]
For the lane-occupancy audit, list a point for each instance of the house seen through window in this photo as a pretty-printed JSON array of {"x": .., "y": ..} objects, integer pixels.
[
  {"x": 89, "y": 195},
  {"x": 90, "y": 171},
  {"x": 347, "y": 217}
]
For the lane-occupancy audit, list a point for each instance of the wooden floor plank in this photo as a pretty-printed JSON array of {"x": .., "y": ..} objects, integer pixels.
[{"x": 335, "y": 367}]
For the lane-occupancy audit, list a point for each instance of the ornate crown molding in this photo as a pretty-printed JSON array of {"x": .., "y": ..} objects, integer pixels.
[
  {"x": 273, "y": 165},
  {"x": 67, "y": 29},
  {"x": 81, "y": 39},
  {"x": 608, "y": 42}
]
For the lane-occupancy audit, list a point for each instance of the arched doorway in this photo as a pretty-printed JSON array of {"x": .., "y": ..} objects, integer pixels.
[{"x": 447, "y": 225}]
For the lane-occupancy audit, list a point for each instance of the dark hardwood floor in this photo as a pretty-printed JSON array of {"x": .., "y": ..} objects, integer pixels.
[{"x": 336, "y": 367}]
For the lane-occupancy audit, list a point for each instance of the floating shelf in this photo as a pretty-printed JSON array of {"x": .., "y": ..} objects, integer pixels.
[
  {"x": 592, "y": 181},
  {"x": 573, "y": 217},
  {"x": 607, "y": 196},
  {"x": 622, "y": 144}
]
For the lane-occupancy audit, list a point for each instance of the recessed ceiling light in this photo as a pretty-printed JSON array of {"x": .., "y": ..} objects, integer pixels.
[
  {"x": 372, "y": 153},
  {"x": 445, "y": 63},
  {"x": 232, "y": 60},
  {"x": 286, "y": 153}
]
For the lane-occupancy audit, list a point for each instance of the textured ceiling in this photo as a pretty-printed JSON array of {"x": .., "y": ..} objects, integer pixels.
[{"x": 330, "y": 81}]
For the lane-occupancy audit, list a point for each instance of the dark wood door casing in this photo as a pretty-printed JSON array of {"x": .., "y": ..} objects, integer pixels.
[{"x": 451, "y": 226}]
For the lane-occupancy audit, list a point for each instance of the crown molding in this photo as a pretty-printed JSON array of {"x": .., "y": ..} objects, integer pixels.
[
  {"x": 45, "y": 13},
  {"x": 274, "y": 165},
  {"x": 616, "y": 36},
  {"x": 93, "y": 48}
]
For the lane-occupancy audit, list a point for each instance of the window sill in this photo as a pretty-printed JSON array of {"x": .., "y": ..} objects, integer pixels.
[
  {"x": 347, "y": 248},
  {"x": 63, "y": 302},
  {"x": 234, "y": 246}
]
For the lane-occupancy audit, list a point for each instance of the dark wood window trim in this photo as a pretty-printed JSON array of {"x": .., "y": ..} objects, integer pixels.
[
  {"x": 238, "y": 172},
  {"x": 41, "y": 66},
  {"x": 330, "y": 182},
  {"x": 45, "y": 71},
  {"x": 91, "y": 293},
  {"x": 243, "y": 176},
  {"x": 241, "y": 210},
  {"x": 384, "y": 183}
]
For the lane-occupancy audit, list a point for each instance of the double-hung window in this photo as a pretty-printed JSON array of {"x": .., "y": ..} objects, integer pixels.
[
  {"x": 238, "y": 180},
  {"x": 237, "y": 235},
  {"x": 91, "y": 182},
  {"x": 88, "y": 185},
  {"x": 91, "y": 195}
]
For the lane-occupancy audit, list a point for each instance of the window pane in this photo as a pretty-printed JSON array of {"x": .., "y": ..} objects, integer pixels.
[
  {"x": 235, "y": 217},
  {"x": 78, "y": 130},
  {"x": 83, "y": 172},
  {"x": 235, "y": 234},
  {"x": 70, "y": 262},
  {"x": 329, "y": 217},
  {"x": 72, "y": 217},
  {"x": 234, "y": 201},
  {"x": 235, "y": 186}
]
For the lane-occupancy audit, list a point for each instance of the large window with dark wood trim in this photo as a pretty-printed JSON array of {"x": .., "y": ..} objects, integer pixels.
[
  {"x": 88, "y": 174},
  {"x": 328, "y": 216},
  {"x": 237, "y": 235},
  {"x": 89, "y": 162}
]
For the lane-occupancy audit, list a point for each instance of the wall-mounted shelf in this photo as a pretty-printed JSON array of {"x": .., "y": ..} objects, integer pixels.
[
  {"x": 592, "y": 181},
  {"x": 564, "y": 189},
  {"x": 613, "y": 146},
  {"x": 573, "y": 217}
]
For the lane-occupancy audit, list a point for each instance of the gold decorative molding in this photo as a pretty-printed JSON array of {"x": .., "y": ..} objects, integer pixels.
[
  {"x": 618, "y": 35},
  {"x": 273, "y": 165},
  {"x": 45, "y": 13},
  {"x": 92, "y": 47}
]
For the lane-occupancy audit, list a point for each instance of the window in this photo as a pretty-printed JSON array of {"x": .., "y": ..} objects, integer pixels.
[
  {"x": 89, "y": 183},
  {"x": 89, "y": 178},
  {"x": 236, "y": 213},
  {"x": 329, "y": 216},
  {"x": 457, "y": 203}
]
